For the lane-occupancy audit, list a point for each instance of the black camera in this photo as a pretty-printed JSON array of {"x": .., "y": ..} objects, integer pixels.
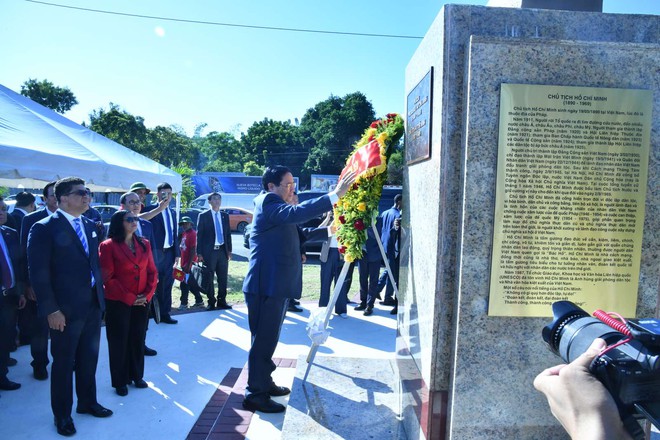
[{"x": 630, "y": 370}]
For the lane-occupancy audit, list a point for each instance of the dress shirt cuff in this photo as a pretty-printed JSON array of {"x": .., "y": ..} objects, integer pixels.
[{"x": 334, "y": 198}]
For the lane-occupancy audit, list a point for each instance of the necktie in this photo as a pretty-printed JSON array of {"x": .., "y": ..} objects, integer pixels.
[
  {"x": 7, "y": 280},
  {"x": 168, "y": 224},
  {"x": 218, "y": 229},
  {"x": 81, "y": 234},
  {"x": 83, "y": 240}
]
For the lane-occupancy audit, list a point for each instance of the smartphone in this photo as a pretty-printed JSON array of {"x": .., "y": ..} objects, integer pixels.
[{"x": 163, "y": 195}]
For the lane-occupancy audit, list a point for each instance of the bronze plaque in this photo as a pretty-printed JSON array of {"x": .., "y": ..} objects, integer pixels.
[{"x": 418, "y": 120}]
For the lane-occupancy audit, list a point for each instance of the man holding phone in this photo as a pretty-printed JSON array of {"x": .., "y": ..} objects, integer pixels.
[{"x": 167, "y": 248}]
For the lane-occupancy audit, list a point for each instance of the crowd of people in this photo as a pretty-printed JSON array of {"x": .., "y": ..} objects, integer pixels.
[{"x": 60, "y": 277}]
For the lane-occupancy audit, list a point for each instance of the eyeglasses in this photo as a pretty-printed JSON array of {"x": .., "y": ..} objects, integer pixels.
[
  {"x": 288, "y": 185},
  {"x": 79, "y": 192},
  {"x": 130, "y": 219},
  {"x": 133, "y": 202}
]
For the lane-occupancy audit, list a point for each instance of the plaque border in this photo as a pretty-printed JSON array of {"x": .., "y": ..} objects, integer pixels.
[{"x": 427, "y": 154}]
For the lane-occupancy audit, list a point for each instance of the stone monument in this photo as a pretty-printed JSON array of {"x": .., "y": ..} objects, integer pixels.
[{"x": 466, "y": 370}]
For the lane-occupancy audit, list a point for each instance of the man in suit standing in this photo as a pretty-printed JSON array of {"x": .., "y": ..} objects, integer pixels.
[
  {"x": 63, "y": 262},
  {"x": 38, "y": 324},
  {"x": 275, "y": 275},
  {"x": 11, "y": 290},
  {"x": 24, "y": 206},
  {"x": 214, "y": 249},
  {"x": 167, "y": 251},
  {"x": 388, "y": 237},
  {"x": 130, "y": 201}
]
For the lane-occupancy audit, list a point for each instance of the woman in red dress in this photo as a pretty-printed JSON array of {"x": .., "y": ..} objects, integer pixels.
[{"x": 129, "y": 280}]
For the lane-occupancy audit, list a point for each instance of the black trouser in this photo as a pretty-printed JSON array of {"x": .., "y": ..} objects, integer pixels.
[
  {"x": 39, "y": 331},
  {"x": 368, "y": 281},
  {"x": 265, "y": 317},
  {"x": 125, "y": 328},
  {"x": 218, "y": 264},
  {"x": 186, "y": 289},
  {"x": 166, "y": 259},
  {"x": 8, "y": 306},
  {"x": 77, "y": 345},
  {"x": 330, "y": 271}
]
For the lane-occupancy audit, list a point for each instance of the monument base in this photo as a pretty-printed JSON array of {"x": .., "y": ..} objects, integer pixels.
[{"x": 343, "y": 398}]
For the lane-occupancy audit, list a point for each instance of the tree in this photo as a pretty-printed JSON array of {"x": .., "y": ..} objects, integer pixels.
[
  {"x": 188, "y": 189},
  {"x": 121, "y": 127},
  {"x": 169, "y": 147},
  {"x": 251, "y": 168},
  {"x": 220, "y": 152},
  {"x": 60, "y": 99},
  {"x": 270, "y": 142},
  {"x": 330, "y": 129}
]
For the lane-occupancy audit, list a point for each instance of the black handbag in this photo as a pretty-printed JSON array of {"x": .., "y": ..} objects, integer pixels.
[{"x": 200, "y": 278}]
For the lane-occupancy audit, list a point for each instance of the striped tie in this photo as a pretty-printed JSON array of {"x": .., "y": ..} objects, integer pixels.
[{"x": 83, "y": 240}]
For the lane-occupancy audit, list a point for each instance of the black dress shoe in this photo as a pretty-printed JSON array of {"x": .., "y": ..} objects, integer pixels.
[
  {"x": 210, "y": 307},
  {"x": 141, "y": 384},
  {"x": 149, "y": 351},
  {"x": 388, "y": 302},
  {"x": 8, "y": 385},
  {"x": 96, "y": 410},
  {"x": 360, "y": 307},
  {"x": 394, "y": 311},
  {"x": 369, "y": 311},
  {"x": 65, "y": 426},
  {"x": 263, "y": 405},
  {"x": 224, "y": 306},
  {"x": 11, "y": 362},
  {"x": 276, "y": 391},
  {"x": 40, "y": 372},
  {"x": 168, "y": 320},
  {"x": 122, "y": 391},
  {"x": 293, "y": 308}
]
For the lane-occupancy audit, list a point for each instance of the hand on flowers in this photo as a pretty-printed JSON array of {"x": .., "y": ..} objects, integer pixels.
[
  {"x": 345, "y": 183},
  {"x": 579, "y": 401}
]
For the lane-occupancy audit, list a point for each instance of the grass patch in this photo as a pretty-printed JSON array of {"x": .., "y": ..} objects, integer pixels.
[{"x": 238, "y": 270}]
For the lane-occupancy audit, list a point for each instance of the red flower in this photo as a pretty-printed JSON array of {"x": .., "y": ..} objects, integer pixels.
[
  {"x": 374, "y": 124},
  {"x": 359, "y": 225},
  {"x": 342, "y": 219},
  {"x": 354, "y": 187},
  {"x": 342, "y": 249},
  {"x": 371, "y": 138},
  {"x": 391, "y": 115}
]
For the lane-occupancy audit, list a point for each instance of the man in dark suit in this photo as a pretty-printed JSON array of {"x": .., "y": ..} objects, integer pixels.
[
  {"x": 388, "y": 237},
  {"x": 38, "y": 325},
  {"x": 11, "y": 290},
  {"x": 66, "y": 277},
  {"x": 214, "y": 248},
  {"x": 369, "y": 267},
  {"x": 130, "y": 201},
  {"x": 275, "y": 275},
  {"x": 167, "y": 251},
  {"x": 24, "y": 206}
]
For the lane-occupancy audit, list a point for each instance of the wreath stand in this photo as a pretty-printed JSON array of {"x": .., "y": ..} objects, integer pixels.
[{"x": 317, "y": 328}]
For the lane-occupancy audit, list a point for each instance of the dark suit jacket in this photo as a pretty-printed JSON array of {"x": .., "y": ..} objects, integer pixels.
[
  {"x": 388, "y": 233},
  {"x": 206, "y": 233},
  {"x": 17, "y": 217},
  {"x": 275, "y": 268},
  {"x": 60, "y": 270},
  {"x": 14, "y": 248},
  {"x": 148, "y": 233},
  {"x": 127, "y": 275},
  {"x": 27, "y": 223},
  {"x": 158, "y": 225}
]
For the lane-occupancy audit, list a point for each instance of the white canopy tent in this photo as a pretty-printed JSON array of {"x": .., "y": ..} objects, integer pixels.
[{"x": 38, "y": 145}]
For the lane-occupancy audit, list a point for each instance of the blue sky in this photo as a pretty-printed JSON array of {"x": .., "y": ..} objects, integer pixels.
[{"x": 183, "y": 73}]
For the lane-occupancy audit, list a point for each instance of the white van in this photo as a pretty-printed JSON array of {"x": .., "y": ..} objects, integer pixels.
[{"x": 245, "y": 201}]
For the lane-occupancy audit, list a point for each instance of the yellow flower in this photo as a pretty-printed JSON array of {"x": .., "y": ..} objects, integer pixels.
[
  {"x": 382, "y": 138},
  {"x": 362, "y": 206}
]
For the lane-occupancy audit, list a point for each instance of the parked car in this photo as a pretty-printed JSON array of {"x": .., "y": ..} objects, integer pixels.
[
  {"x": 244, "y": 201},
  {"x": 106, "y": 211},
  {"x": 239, "y": 218}
]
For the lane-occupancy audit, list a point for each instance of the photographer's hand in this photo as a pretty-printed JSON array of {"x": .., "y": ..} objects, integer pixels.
[{"x": 579, "y": 401}]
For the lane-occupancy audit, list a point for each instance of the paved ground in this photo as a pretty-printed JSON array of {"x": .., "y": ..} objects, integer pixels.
[{"x": 202, "y": 355}]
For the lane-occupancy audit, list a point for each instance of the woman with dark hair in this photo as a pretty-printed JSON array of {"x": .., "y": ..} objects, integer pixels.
[{"x": 129, "y": 281}]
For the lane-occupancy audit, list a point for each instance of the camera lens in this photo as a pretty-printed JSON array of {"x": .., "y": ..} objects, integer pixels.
[{"x": 572, "y": 331}]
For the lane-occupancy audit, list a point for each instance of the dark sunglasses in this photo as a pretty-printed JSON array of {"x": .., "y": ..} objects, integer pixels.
[
  {"x": 131, "y": 219},
  {"x": 79, "y": 192}
]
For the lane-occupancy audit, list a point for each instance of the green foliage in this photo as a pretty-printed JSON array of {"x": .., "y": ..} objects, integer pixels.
[
  {"x": 395, "y": 166},
  {"x": 44, "y": 92},
  {"x": 121, "y": 127},
  {"x": 4, "y": 191},
  {"x": 220, "y": 152},
  {"x": 251, "y": 168},
  {"x": 330, "y": 129},
  {"x": 169, "y": 147},
  {"x": 188, "y": 191},
  {"x": 270, "y": 142}
]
